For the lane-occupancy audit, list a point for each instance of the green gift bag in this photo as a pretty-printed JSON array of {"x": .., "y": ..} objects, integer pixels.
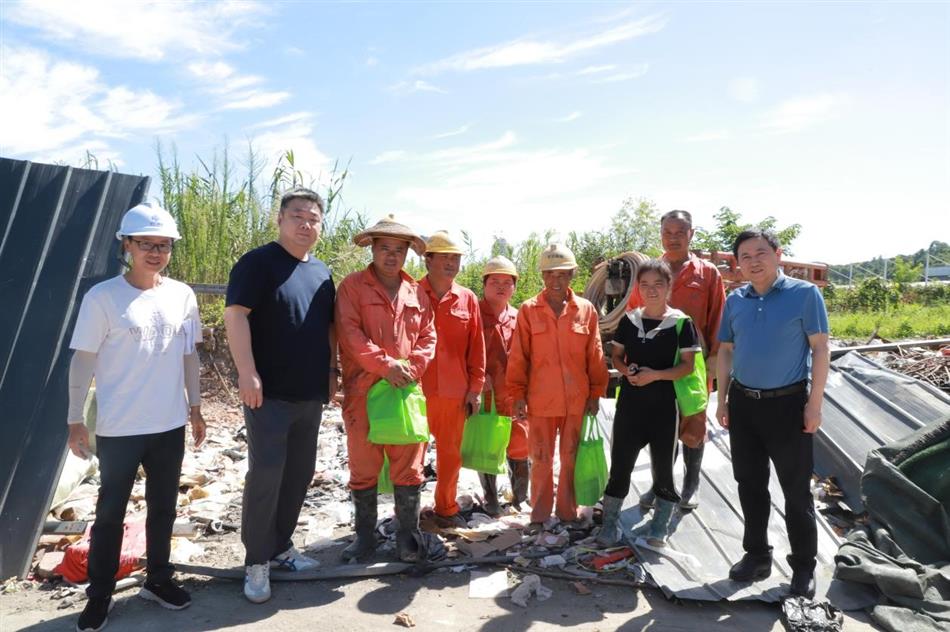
[
  {"x": 590, "y": 466},
  {"x": 397, "y": 416},
  {"x": 485, "y": 441},
  {"x": 384, "y": 484},
  {"x": 691, "y": 393}
]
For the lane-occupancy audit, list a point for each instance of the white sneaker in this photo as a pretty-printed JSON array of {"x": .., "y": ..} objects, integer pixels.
[
  {"x": 257, "y": 583},
  {"x": 294, "y": 560}
]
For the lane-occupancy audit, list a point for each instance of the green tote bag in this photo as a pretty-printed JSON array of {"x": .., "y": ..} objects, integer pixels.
[
  {"x": 397, "y": 416},
  {"x": 590, "y": 466},
  {"x": 485, "y": 441}
]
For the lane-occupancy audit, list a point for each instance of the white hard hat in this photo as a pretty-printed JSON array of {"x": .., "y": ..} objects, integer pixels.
[
  {"x": 500, "y": 265},
  {"x": 148, "y": 219},
  {"x": 557, "y": 257}
]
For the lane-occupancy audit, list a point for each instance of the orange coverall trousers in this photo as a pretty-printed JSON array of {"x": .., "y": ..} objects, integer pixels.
[{"x": 542, "y": 432}]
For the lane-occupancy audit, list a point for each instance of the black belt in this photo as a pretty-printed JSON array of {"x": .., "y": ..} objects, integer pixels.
[{"x": 768, "y": 393}]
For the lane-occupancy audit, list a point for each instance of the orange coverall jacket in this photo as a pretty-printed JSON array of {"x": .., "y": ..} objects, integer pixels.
[
  {"x": 557, "y": 364},
  {"x": 499, "y": 331},
  {"x": 459, "y": 364},
  {"x": 374, "y": 333},
  {"x": 698, "y": 291}
]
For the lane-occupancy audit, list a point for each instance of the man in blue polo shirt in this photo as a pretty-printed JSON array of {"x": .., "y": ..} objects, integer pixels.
[{"x": 774, "y": 333}]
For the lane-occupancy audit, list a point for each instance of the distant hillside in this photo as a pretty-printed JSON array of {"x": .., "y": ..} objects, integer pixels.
[{"x": 939, "y": 256}]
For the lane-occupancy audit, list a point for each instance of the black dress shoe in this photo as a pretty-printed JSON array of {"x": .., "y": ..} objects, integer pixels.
[
  {"x": 751, "y": 568},
  {"x": 803, "y": 582}
]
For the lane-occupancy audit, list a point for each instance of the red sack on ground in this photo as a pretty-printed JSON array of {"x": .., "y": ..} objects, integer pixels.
[{"x": 75, "y": 564}]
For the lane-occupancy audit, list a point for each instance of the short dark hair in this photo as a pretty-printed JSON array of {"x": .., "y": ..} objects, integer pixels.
[
  {"x": 677, "y": 214},
  {"x": 301, "y": 193},
  {"x": 655, "y": 265},
  {"x": 746, "y": 235}
]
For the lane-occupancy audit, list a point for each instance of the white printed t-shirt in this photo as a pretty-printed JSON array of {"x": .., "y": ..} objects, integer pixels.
[{"x": 140, "y": 338}]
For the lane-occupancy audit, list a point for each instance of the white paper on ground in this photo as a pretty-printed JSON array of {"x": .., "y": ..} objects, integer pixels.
[{"x": 488, "y": 585}]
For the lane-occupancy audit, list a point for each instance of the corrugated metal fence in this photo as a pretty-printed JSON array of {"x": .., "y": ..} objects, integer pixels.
[{"x": 57, "y": 239}]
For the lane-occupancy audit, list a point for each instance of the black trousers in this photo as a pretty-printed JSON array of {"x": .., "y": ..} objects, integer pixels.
[
  {"x": 282, "y": 452},
  {"x": 639, "y": 423},
  {"x": 761, "y": 430},
  {"x": 160, "y": 454}
]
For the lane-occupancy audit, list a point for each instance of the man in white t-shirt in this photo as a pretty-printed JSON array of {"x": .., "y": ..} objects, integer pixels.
[{"x": 136, "y": 334}]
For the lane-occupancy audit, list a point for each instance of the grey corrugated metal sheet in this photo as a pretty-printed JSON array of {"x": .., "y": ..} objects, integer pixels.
[
  {"x": 57, "y": 238},
  {"x": 865, "y": 406}
]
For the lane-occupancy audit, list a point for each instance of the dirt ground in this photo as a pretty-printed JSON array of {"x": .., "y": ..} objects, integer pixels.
[{"x": 437, "y": 602}]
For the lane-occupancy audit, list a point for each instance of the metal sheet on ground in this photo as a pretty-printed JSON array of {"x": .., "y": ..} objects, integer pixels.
[{"x": 704, "y": 543}]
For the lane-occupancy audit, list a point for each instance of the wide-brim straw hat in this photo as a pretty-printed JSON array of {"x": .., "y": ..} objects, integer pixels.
[{"x": 389, "y": 227}]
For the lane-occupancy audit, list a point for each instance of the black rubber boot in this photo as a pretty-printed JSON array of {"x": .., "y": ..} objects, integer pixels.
[
  {"x": 692, "y": 460},
  {"x": 412, "y": 545},
  {"x": 490, "y": 491},
  {"x": 520, "y": 474},
  {"x": 752, "y": 567},
  {"x": 363, "y": 547}
]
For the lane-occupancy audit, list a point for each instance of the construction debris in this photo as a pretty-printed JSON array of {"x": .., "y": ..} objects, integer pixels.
[{"x": 404, "y": 620}]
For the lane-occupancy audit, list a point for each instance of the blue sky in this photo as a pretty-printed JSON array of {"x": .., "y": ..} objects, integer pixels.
[{"x": 501, "y": 119}]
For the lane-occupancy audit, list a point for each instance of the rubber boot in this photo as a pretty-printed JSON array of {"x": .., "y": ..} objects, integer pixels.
[
  {"x": 490, "y": 491},
  {"x": 611, "y": 533},
  {"x": 364, "y": 546},
  {"x": 647, "y": 500},
  {"x": 520, "y": 473},
  {"x": 692, "y": 460},
  {"x": 412, "y": 545},
  {"x": 660, "y": 525}
]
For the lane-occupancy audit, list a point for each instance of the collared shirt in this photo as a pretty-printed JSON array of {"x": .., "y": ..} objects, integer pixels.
[
  {"x": 698, "y": 291},
  {"x": 499, "y": 331},
  {"x": 374, "y": 332},
  {"x": 557, "y": 363},
  {"x": 459, "y": 364},
  {"x": 770, "y": 332}
]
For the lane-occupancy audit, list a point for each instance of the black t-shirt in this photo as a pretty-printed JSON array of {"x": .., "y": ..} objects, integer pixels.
[
  {"x": 291, "y": 303},
  {"x": 657, "y": 353}
]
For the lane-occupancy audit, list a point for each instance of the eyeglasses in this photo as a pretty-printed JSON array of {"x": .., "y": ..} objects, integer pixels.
[{"x": 149, "y": 246}]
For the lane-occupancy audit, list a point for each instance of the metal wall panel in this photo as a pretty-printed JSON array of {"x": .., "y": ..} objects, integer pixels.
[{"x": 58, "y": 239}]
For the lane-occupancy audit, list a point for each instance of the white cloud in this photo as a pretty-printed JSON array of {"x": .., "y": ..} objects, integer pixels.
[
  {"x": 635, "y": 73},
  {"x": 55, "y": 108},
  {"x": 287, "y": 119},
  {"x": 744, "y": 89},
  {"x": 393, "y": 155},
  {"x": 371, "y": 61},
  {"x": 409, "y": 87},
  {"x": 455, "y": 132},
  {"x": 297, "y": 137},
  {"x": 573, "y": 116},
  {"x": 528, "y": 51},
  {"x": 796, "y": 115},
  {"x": 593, "y": 70},
  {"x": 142, "y": 30},
  {"x": 234, "y": 90},
  {"x": 719, "y": 134}
]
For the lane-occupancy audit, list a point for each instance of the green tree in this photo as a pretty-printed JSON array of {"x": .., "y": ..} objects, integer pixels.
[
  {"x": 728, "y": 226},
  {"x": 906, "y": 272}
]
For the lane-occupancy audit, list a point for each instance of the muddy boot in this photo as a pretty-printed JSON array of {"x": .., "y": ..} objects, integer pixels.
[
  {"x": 490, "y": 490},
  {"x": 520, "y": 473},
  {"x": 647, "y": 500},
  {"x": 693, "y": 460},
  {"x": 611, "y": 533},
  {"x": 660, "y": 525},
  {"x": 363, "y": 547},
  {"x": 412, "y": 545}
]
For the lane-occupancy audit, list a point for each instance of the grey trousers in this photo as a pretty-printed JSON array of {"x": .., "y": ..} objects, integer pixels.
[{"x": 282, "y": 452}]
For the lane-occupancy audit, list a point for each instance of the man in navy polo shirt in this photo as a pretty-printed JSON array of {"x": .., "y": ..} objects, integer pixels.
[
  {"x": 279, "y": 319},
  {"x": 774, "y": 333}
]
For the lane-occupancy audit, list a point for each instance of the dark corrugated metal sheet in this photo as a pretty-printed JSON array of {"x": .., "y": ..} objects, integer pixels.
[{"x": 57, "y": 239}]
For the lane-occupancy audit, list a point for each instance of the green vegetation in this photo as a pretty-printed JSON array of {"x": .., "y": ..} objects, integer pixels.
[
  {"x": 905, "y": 268},
  {"x": 903, "y": 321},
  {"x": 728, "y": 226}
]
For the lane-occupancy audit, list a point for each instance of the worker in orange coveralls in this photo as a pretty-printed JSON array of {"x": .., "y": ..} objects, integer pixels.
[
  {"x": 453, "y": 382},
  {"x": 386, "y": 330},
  {"x": 557, "y": 374},
  {"x": 699, "y": 293},
  {"x": 499, "y": 277}
]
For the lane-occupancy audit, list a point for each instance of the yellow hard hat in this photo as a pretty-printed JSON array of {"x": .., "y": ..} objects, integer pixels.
[
  {"x": 500, "y": 265},
  {"x": 557, "y": 257},
  {"x": 440, "y": 241}
]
